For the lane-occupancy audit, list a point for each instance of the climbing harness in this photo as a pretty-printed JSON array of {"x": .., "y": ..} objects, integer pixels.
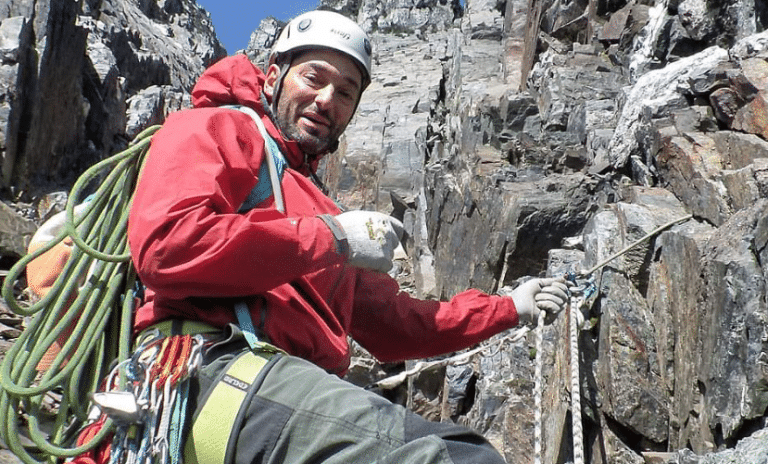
[
  {"x": 580, "y": 294},
  {"x": 157, "y": 415},
  {"x": 82, "y": 307}
]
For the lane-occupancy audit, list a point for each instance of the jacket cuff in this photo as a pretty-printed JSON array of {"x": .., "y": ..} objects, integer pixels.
[{"x": 339, "y": 236}]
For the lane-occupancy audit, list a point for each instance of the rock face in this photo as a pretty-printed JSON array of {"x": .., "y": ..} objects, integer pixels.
[
  {"x": 587, "y": 125},
  {"x": 515, "y": 138}
]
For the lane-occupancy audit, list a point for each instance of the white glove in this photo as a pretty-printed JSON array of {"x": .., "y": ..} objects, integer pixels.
[
  {"x": 372, "y": 238},
  {"x": 549, "y": 295}
]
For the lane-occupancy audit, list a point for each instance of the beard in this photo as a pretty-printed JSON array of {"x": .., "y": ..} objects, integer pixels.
[{"x": 311, "y": 142}]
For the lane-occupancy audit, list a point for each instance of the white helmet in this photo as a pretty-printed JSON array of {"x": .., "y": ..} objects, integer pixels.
[{"x": 325, "y": 29}]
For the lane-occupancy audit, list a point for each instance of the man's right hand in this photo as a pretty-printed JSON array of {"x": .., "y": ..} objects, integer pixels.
[{"x": 372, "y": 238}]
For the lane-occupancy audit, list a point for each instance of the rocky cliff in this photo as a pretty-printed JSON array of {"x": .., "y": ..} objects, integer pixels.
[{"x": 514, "y": 138}]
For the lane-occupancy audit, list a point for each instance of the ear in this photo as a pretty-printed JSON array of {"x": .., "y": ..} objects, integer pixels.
[{"x": 273, "y": 73}]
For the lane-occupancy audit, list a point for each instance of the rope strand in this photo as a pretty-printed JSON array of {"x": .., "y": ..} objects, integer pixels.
[
  {"x": 635, "y": 243},
  {"x": 576, "y": 424},
  {"x": 537, "y": 388}
]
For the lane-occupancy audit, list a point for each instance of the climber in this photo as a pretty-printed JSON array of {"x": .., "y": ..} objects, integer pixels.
[{"x": 303, "y": 275}]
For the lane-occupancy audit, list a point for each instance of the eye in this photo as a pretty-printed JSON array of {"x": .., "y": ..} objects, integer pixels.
[
  {"x": 311, "y": 78},
  {"x": 347, "y": 94}
]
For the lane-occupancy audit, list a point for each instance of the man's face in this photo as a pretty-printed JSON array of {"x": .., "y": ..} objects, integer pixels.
[{"x": 317, "y": 100}]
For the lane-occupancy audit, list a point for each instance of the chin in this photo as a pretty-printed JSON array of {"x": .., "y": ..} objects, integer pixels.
[{"x": 312, "y": 145}]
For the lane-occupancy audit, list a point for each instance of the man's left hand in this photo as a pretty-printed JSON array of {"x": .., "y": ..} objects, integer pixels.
[{"x": 549, "y": 295}]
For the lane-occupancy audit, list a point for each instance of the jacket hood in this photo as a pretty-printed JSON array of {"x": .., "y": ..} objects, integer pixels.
[{"x": 236, "y": 81}]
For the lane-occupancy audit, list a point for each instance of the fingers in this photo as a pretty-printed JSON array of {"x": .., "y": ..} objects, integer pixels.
[
  {"x": 385, "y": 228},
  {"x": 550, "y": 299},
  {"x": 553, "y": 296},
  {"x": 549, "y": 307},
  {"x": 556, "y": 288},
  {"x": 550, "y": 295}
]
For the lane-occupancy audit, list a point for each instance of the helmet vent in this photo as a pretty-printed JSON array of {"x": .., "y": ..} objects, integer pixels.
[{"x": 304, "y": 25}]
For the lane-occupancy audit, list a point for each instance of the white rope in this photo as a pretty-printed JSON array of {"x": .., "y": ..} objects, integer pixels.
[
  {"x": 537, "y": 388},
  {"x": 577, "y": 432},
  {"x": 575, "y": 322},
  {"x": 422, "y": 366},
  {"x": 634, "y": 244}
]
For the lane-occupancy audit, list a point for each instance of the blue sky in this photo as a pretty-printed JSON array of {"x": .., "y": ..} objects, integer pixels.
[{"x": 234, "y": 20}]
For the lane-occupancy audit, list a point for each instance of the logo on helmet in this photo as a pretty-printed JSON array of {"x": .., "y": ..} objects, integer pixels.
[
  {"x": 304, "y": 24},
  {"x": 342, "y": 34},
  {"x": 367, "y": 46}
]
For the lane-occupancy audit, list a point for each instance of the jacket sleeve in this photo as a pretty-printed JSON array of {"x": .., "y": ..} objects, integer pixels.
[
  {"x": 393, "y": 326},
  {"x": 185, "y": 234}
]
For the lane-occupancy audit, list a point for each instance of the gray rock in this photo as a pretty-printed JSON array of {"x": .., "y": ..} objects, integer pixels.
[
  {"x": 734, "y": 325},
  {"x": 262, "y": 39},
  {"x": 151, "y": 106},
  {"x": 654, "y": 92},
  {"x": 15, "y": 232},
  {"x": 15, "y": 70}
]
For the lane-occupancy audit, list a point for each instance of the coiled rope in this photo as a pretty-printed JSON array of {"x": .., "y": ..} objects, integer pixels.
[{"x": 80, "y": 307}]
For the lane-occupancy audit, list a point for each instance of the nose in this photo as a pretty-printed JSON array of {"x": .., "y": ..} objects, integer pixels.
[{"x": 324, "y": 97}]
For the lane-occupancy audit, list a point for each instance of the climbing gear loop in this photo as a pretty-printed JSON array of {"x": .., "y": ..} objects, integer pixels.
[{"x": 150, "y": 410}]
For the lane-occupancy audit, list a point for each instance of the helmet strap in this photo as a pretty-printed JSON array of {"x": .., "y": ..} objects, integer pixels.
[{"x": 284, "y": 68}]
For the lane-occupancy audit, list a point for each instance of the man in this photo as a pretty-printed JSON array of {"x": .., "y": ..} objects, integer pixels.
[{"x": 308, "y": 275}]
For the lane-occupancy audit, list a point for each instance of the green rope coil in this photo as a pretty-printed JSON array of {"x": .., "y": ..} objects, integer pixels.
[{"x": 92, "y": 294}]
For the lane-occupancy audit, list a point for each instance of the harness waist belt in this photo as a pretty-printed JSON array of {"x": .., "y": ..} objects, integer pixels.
[{"x": 172, "y": 327}]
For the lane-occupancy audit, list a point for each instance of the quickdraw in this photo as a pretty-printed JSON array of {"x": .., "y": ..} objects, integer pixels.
[{"x": 150, "y": 409}]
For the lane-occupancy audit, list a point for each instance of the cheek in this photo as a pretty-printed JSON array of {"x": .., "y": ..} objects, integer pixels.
[
  {"x": 290, "y": 102},
  {"x": 346, "y": 114}
]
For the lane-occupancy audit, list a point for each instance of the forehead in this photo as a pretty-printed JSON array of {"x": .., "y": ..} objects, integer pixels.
[{"x": 331, "y": 61}]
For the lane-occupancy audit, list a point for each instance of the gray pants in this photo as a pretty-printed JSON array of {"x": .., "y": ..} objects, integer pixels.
[{"x": 300, "y": 414}]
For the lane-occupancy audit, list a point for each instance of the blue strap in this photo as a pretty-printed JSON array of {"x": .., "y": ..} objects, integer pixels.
[
  {"x": 260, "y": 192},
  {"x": 116, "y": 454},
  {"x": 177, "y": 423},
  {"x": 263, "y": 188},
  {"x": 246, "y": 324}
]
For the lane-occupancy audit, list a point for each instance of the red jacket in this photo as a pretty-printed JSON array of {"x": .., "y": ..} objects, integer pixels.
[{"x": 197, "y": 255}]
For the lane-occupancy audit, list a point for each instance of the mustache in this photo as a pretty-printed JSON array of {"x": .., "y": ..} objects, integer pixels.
[{"x": 316, "y": 113}]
